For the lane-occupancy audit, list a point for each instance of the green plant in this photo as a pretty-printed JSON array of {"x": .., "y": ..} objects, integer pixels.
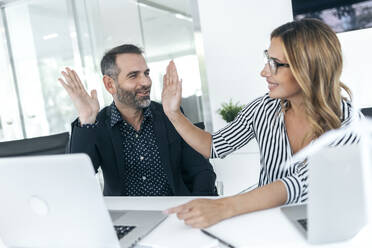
[{"x": 229, "y": 110}]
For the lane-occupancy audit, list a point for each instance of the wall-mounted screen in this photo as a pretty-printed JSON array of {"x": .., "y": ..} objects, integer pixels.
[{"x": 340, "y": 15}]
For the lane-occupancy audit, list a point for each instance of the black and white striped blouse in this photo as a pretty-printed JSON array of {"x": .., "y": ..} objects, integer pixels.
[{"x": 263, "y": 119}]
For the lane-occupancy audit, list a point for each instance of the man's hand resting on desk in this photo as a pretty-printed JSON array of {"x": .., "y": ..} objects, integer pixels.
[
  {"x": 202, "y": 213},
  {"x": 86, "y": 105}
]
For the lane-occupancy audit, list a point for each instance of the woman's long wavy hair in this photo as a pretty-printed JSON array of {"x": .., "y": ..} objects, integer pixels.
[{"x": 314, "y": 55}]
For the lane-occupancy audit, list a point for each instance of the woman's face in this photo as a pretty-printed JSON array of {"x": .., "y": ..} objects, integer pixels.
[{"x": 281, "y": 85}]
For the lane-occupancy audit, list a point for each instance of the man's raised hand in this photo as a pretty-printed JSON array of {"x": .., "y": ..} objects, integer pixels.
[{"x": 86, "y": 105}]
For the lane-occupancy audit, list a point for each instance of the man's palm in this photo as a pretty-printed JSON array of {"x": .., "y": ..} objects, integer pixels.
[{"x": 86, "y": 105}]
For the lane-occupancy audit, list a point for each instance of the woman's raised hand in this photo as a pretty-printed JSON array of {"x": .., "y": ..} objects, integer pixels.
[{"x": 172, "y": 91}]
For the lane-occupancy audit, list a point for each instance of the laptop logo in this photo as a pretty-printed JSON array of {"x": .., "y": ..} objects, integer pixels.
[{"x": 38, "y": 206}]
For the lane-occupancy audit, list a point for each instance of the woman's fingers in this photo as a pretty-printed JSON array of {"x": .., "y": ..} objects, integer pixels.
[
  {"x": 189, "y": 214},
  {"x": 173, "y": 72},
  {"x": 180, "y": 208},
  {"x": 198, "y": 222},
  {"x": 170, "y": 79},
  {"x": 165, "y": 80}
]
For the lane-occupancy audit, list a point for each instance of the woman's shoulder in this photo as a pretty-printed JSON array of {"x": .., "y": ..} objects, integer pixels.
[
  {"x": 261, "y": 105},
  {"x": 264, "y": 102}
]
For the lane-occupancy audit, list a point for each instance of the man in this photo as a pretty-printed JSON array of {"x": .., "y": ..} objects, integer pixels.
[{"x": 138, "y": 149}]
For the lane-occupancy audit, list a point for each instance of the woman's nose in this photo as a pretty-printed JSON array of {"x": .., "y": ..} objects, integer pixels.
[{"x": 265, "y": 72}]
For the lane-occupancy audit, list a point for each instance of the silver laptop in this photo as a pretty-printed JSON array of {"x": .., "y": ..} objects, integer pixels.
[
  {"x": 56, "y": 201},
  {"x": 336, "y": 209}
]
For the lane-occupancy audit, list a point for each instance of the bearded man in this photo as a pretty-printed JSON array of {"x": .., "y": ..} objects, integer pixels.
[{"x": 136, "y": 146}]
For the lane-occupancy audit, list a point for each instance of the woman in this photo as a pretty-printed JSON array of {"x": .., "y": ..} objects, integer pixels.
[{"x": 304, "y": 64}]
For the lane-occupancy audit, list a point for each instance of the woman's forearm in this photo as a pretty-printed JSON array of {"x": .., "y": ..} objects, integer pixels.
[
  {"x": 268, "y": 196},
  {"x": 202, "y": 213},
  {"x": 197, "y": 138}
]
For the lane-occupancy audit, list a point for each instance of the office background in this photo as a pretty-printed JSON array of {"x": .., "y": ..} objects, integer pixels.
[{"x": 217, "y": 45}]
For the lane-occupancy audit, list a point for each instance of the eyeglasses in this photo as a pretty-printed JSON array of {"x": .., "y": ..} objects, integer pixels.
[{"x": 273, "y": 65}]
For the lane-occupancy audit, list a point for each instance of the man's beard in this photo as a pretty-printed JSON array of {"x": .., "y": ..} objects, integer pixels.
[{"x": 130, "y": 98}]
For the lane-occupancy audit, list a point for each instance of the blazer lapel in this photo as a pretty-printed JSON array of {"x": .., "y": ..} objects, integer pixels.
[
  {"x": 162, "y": 140},
  {"x": 116, "y": 143}
]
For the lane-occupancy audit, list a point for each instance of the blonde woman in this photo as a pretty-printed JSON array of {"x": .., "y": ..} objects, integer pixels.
[{"x": 304, "y": 64}]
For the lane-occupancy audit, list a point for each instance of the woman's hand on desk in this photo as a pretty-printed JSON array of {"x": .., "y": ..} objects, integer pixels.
[{"x": 202, "y": 213}]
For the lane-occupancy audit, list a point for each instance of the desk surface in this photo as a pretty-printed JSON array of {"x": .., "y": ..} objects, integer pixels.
[{"x": 268, "y": 228}]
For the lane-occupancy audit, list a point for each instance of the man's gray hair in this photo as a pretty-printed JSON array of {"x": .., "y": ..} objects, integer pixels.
[{"x": 108, "y": 62}]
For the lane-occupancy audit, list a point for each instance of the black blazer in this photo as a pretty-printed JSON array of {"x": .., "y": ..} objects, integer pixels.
[{"x": 188, "y": 172}]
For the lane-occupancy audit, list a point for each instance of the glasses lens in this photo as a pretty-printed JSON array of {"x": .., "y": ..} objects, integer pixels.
[{"x": 272, "y": 66}]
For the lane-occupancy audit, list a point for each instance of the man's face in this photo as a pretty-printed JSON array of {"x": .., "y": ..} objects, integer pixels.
[{"x": 133, "y": 82}]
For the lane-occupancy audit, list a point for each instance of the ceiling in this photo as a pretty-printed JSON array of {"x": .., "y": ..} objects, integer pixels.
[
  {"x": 164, "y": 33},
  {"x": 179, "y": 5}
]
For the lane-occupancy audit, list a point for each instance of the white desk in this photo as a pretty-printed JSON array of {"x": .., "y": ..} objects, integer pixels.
[
  {"x": 269, "y": 228},
  {"x": 171, "y": 233}
]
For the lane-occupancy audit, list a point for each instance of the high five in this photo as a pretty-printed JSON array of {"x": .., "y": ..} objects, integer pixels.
[{"x": 304, "y": 64}]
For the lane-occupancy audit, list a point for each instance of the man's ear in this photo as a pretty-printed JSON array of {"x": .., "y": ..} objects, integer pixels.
[{"x": 109, "y": 84}]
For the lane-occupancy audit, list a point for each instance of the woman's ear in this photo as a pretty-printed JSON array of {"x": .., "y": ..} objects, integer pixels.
[{"x": 109, "y": 84}]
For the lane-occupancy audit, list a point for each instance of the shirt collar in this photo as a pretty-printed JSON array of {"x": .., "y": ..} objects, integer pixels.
[{"x": 116, "y": 116}]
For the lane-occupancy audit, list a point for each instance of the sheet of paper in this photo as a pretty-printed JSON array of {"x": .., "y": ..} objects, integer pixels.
[{"x": 174, "y": 233}]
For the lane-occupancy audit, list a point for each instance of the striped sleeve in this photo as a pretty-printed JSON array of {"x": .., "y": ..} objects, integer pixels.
[
  {"x": 237, "y": 133},
  {"x": 296, "y": 183}
]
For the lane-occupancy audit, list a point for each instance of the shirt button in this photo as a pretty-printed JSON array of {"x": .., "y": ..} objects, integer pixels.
[
  {"x": 136, "y": 135},
  {"x": 141, "y": 158},
  {"x": 143, "y": 178}
]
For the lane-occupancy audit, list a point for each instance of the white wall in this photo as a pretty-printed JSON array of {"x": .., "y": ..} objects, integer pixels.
[
  {"x": 235, "y": 33},
  {"x": 357, "y": 53}
]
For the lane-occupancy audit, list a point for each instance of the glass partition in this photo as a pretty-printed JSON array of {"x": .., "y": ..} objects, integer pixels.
[
  {"x": 10, "y": 122},
  {"x": 42, "y": 37},
  {"x": 168, "y": 34},
  {"x": 46, "y": 107}
]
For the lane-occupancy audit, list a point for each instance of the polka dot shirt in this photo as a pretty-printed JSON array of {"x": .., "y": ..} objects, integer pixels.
[{"x": 145, "y": 174}]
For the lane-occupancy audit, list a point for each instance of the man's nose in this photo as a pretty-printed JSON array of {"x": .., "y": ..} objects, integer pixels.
[{"x": 145, "y": 80}]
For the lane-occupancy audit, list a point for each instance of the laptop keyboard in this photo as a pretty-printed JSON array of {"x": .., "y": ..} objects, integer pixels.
[
  {"x": 121, "y": 231},
  {"x": 303, "y": 223}
]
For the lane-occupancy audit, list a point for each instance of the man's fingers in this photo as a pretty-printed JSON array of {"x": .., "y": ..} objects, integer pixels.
[
  {"x": 73, "y": 79},
  {"x": 66, "y": 86},
  {"x": 68, "y": 79},
  {"x": 78, "y": 81}
]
